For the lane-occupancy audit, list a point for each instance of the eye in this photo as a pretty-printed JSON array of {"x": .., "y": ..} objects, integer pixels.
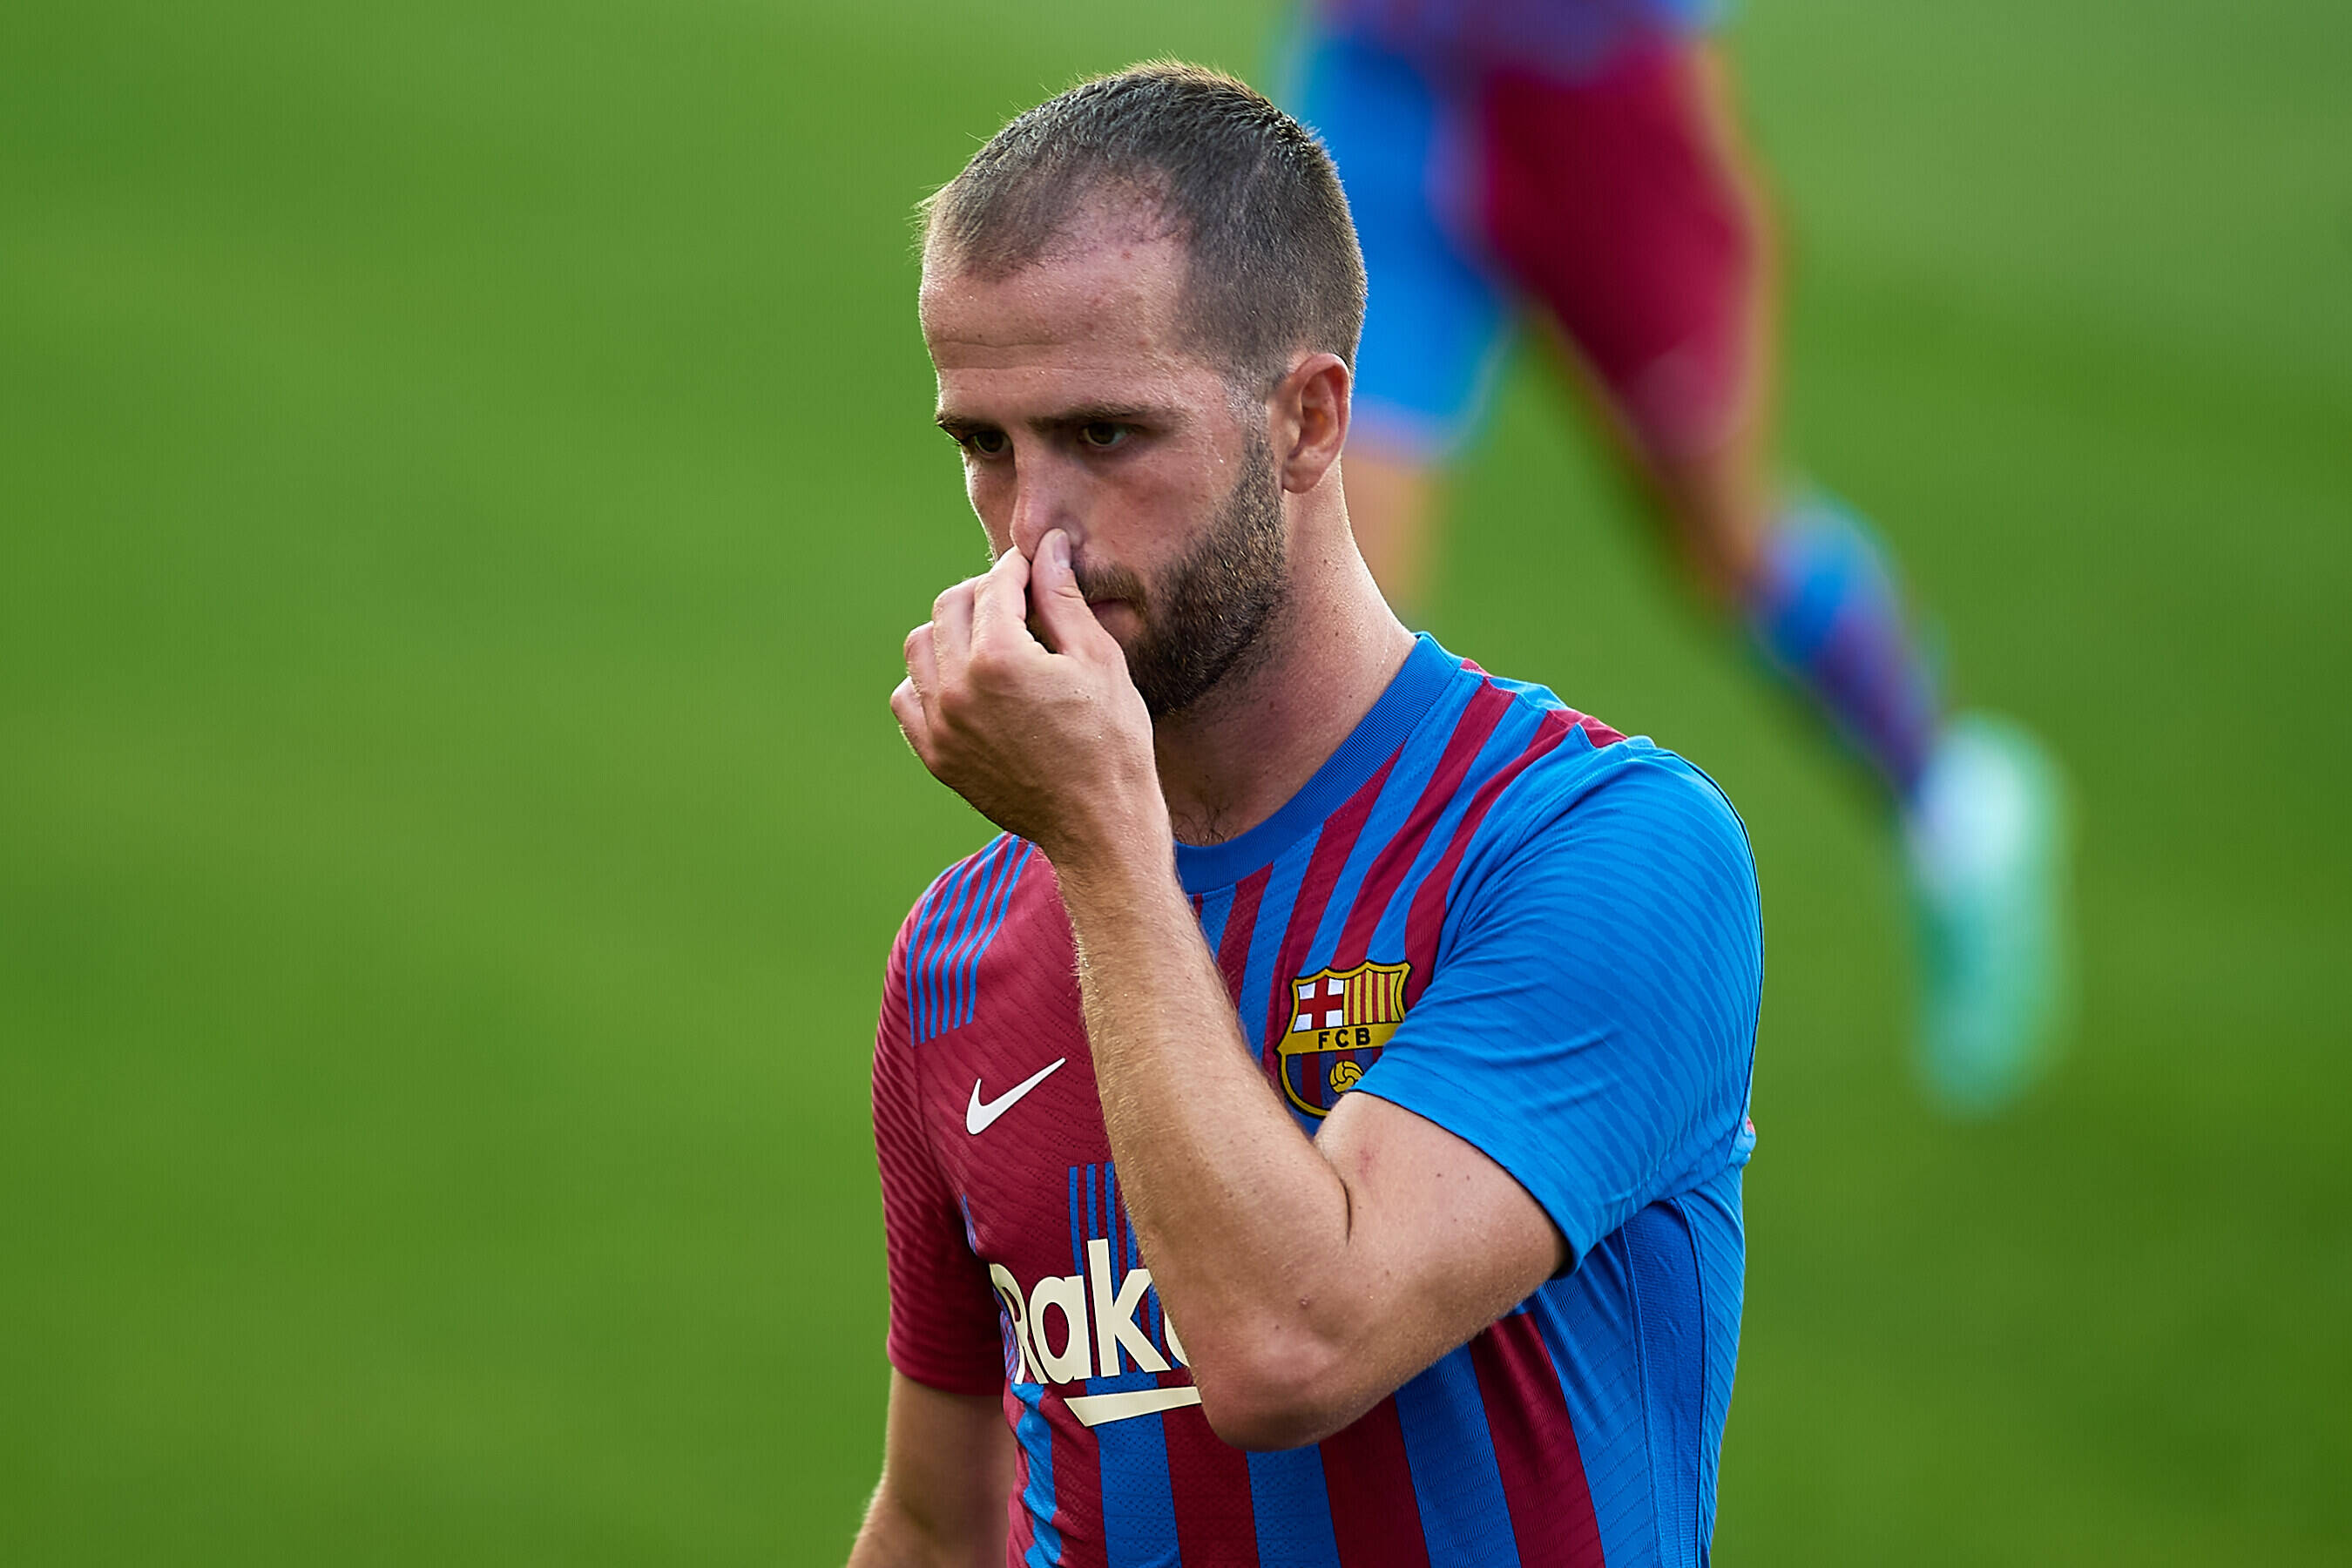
[
  {"x": 1101, "y": 435},
  {"x": 985, "y": 443}
]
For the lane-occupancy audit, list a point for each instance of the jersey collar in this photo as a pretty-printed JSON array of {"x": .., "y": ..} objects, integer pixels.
[{"x": 1416, "y": 690}]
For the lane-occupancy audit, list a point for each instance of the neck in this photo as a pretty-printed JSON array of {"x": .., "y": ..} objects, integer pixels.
[{"x": 1233, "y": 759}]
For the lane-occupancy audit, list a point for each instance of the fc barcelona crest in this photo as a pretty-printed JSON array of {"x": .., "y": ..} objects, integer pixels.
[{"x": 1339, "y": 1020}]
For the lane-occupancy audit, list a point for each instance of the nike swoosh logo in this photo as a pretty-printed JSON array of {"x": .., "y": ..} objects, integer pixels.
[{"x": 980, "y": 1113}]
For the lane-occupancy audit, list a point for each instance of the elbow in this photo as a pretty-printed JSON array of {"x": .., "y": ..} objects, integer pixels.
[
  {"x": 1262, "y": 1426},
  {"x": 1278, "y": 1395}
]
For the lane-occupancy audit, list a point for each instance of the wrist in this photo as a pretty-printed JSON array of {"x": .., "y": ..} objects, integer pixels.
[{"x": 1116, "y": 852}]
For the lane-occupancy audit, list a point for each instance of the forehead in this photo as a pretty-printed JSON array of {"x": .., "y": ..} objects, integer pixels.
[{"x": 1098, "y": 316}]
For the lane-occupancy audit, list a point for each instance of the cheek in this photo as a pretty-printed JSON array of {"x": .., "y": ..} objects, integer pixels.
[
  {"x": 1165, "y": 500},
  {"x": 991, "y": 492},
  {"x": 984, "y": 486}
]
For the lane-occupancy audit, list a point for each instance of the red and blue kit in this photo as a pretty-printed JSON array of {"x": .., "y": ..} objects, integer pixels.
[
  {"x": 1560, "y": 154},
  {"x": 1485, "y": 908}
]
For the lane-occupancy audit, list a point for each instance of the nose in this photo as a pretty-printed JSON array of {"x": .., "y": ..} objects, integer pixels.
[{"x": 1045, "y": 497}]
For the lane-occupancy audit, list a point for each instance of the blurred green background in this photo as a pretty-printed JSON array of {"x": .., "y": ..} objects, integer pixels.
[{"x": 464, "y": 473}]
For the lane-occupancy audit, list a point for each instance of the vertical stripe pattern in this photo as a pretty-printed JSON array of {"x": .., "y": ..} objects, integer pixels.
[
  {"x": 953, "y": 926},
  {"x": 1535, "y": 1454},
  {"x": 1375, "y": 1513}
]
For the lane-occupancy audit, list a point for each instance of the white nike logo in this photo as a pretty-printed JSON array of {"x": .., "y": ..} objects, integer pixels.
[{"x": 980, "y": 1113}]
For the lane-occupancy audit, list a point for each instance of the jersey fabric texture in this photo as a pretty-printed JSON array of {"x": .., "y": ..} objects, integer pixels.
[
  {"x": 1561, "y": 154},
  {"x": 1486, "y": 908}
]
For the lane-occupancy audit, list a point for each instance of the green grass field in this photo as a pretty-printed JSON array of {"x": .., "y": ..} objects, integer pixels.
[{"x": 464, "y": 476}]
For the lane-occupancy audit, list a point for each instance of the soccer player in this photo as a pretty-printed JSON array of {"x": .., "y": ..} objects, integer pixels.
[
  {"x": 1312, "y": 1133},
  {"x": 1581, "y": 158}
]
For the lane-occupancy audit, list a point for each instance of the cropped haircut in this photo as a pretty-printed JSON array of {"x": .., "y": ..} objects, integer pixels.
[{"x": 1273, "y": 266}]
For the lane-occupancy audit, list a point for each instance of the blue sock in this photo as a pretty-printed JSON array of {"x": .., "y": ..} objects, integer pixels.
[{"x": 1825, "y": 610}]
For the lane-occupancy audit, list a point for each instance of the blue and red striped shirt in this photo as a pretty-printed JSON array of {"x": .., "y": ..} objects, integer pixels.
[{"x": 1485, "y": 907}]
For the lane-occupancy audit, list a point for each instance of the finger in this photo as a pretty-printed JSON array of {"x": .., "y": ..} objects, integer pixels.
[
  {"x": 951, "y": 629},
  {"x": 907, "y": 707},
  {"x": 1058, "y": 603},
  {"x": 922, "y": 667},
  {"x": 1000, "y": 600}
]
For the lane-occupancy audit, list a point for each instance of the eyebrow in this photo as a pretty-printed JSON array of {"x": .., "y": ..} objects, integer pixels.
[{"x": 1165, "y": 416}]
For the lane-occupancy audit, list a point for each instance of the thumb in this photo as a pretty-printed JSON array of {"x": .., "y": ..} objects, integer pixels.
[{"x": 1057, "y": 605}]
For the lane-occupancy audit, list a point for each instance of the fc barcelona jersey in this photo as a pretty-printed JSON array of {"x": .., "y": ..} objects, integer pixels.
[{"x": 1485, "y": 908}]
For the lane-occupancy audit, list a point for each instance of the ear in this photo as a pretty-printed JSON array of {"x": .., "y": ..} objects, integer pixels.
[{"x": 1309, "y": 409}]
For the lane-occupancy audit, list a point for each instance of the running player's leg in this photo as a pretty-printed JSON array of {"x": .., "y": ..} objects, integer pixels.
[
  {"x": 1435, "y": 324},
  {"x": 1625, "y": 201}
]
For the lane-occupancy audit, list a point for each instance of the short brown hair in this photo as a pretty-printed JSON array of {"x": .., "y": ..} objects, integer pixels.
[{"x": 1273, "y": 266}]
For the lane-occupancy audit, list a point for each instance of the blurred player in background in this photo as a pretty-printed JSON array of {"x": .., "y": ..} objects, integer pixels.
[{"x": 1579, "y": 160}]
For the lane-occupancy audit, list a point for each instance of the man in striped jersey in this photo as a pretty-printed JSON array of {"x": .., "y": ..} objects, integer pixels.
[{"x": 1386, "y": 1026}]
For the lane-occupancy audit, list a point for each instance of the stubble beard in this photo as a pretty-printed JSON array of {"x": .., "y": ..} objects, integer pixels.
[{"x": 1208, "y": 621}]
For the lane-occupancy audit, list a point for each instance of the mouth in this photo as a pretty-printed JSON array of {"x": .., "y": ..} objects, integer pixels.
[{"x": 1114, "y": 614}]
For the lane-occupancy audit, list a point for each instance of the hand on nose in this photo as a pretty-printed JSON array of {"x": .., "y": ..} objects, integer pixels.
[
  {"x": 1045, "y": 735},
  {"x": 1057, "y": 605}
]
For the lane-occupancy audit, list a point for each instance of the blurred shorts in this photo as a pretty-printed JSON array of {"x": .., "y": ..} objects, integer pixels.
[{"x": 1595, "y": 190}]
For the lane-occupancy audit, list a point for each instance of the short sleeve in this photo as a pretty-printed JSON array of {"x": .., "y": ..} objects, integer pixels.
[
  {"x": 1590, "y": 1022},
  {"x": 944, "y": 1328}
]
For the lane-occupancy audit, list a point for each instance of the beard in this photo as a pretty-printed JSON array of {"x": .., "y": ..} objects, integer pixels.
[{"x": 1207, "y": 619}]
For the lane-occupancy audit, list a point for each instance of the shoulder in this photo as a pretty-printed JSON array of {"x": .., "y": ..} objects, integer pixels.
[
  {"x": 1621, "y": 870},
  {"x": 999, "y": 904},
  {"x": 965, "y": 901},
  {"x": 1623, "y": 808},
  {"x": 959, "y": 911},
  {"x": 1567, "y": 754},
  {"x": 993, "y": 867}
]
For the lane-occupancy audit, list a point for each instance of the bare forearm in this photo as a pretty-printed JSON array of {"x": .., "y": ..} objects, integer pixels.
[
  {"x": 895, "y": 1537},
  {"x": 947, "y": 1472},
  {"x": 1244, "y": 1222}
]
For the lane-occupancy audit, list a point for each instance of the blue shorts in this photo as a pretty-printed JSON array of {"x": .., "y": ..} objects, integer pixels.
[
  {"x": 1437, "y": 318},
  {"x": 1597, "y": 193}
]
